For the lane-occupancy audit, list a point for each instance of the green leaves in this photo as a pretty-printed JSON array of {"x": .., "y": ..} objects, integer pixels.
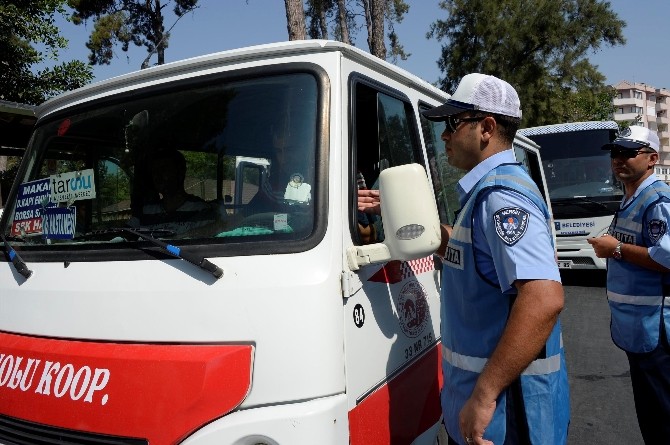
[
  {"x": 125, "y": 22},
  {"x": 539, "y": 46},
  {"x": 22, "y": 25}
]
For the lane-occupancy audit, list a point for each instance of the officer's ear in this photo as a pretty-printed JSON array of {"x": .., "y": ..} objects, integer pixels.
[{"x": 488, "y": 127}]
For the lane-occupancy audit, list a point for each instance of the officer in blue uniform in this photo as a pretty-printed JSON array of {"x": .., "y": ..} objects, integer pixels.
[
  {"x": 638, "y": 278},
  {"x": 505, "y": 380}
]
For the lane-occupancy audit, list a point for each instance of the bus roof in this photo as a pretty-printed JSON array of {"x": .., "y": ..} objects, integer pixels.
[
  {"x": 568, "y": 127},
  {"x": 253, "y": 55}
]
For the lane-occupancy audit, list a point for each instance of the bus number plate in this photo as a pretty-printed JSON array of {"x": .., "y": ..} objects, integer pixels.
[{"x": 564, "y": 264}]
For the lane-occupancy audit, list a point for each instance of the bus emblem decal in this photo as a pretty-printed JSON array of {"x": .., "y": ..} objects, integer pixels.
[{"x": 412, "y": 307}]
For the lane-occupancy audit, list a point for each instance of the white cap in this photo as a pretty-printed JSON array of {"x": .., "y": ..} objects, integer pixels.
[
  {"x": 634, "y": 138},
  {"x": 480, "y": 92}
]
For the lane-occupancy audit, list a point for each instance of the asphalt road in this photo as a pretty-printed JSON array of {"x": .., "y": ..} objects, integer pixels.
[{"x": 602, "y": 407}]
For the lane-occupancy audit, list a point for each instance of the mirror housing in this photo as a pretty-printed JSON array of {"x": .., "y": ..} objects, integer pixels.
[{"x": 409, "y": 215}]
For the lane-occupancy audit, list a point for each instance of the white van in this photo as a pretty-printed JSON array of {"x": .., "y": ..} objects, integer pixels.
[{"x": 250, "y": 313}]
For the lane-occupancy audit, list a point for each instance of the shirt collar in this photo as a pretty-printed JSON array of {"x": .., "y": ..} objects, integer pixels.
[
  {"x": 646, "y": 183},
  {"x": 470, "y": 180}
]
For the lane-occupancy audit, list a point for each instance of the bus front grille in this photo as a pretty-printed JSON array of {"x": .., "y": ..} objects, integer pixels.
[{"x": 20, "y": 432}]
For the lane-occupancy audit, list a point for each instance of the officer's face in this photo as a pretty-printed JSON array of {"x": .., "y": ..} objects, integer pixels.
[
  {"x": 630, "y": 169},
  {"x": 462, "y": 142}
]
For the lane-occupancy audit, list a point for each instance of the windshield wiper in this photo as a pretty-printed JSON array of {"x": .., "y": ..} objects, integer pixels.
[
  {"x": 148, "y": 235},
  {"x": 16, "y": 260},
  {"x": 152, "y": 233},
  {"x": 579, "y": 199}
]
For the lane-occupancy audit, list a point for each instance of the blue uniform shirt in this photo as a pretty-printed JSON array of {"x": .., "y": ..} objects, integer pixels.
[
  {"x": 655, "y": 231},
  {"x": 532, "y": 256}
]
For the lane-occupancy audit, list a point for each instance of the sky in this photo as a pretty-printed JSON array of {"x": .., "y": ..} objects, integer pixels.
[{"x": 219, "y": 25}]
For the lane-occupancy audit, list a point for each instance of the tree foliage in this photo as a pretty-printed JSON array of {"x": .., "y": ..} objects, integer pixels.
[
  {"x": 539, "y": 46},
  {"x": 590, "y": 106},
  {"x": 140, "y": 22},
  {"x": 340, "y": 19},
  {"x": 24, "y": 24}
]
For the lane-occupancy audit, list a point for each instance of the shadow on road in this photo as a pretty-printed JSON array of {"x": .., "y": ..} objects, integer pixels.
[{"x": 584, "y": 278}]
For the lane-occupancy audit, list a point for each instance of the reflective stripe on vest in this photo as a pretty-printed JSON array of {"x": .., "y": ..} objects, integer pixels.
[
  {"x": 476, "y": 364},
  {"x": 647, "y": 300}
]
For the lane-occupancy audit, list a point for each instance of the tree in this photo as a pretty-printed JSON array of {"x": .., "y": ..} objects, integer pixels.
[
  {"x": 384, "y": 12},
  {"x": 376, "y": 15},
  {"x": 318, "y": 11},
  {"x": 140, "y": 22},
  {"x": 395, "y": 12},
  {"x": 22, "y": 24},
  {"x": 375, "y": 10},
  {"x": 538, "y": 46},
  {"x": 295, "y": 19},
  {"x": 590, "y": 106},
  {"x": 625, "y": 124},
  {"x": 344, "y": 21}
]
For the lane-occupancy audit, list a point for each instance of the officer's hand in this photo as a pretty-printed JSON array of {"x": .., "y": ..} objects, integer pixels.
[
  {"x": 368, "y": 201},
  {"x": 604, "y": 245},
  {"x": 473, "y": 420}
]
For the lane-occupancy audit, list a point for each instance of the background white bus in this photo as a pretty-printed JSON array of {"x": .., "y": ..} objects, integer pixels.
[{"x": 583, "y": 191}]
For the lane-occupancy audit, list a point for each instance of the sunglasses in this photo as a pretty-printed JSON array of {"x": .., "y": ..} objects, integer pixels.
[
  {"x": 627, "y": 154},
  {"x": 454, "y": 122}
]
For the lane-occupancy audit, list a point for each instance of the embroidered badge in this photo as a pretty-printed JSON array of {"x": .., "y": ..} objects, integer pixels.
[
  {"x": 656, "y": 229},
  {"x": 511, "y": 224}
]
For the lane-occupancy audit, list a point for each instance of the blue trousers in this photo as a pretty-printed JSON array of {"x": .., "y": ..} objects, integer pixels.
[{"x": 650, "y": 375}]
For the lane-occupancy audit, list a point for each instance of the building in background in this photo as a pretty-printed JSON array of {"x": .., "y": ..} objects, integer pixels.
[{"x": 651, "y": 105}]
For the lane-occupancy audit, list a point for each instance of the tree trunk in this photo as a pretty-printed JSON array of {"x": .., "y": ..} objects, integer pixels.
[
  {"x": 295, "y": 19},
  {"x": 374, "y": 16},
  {"x": 323, "y": 23},
  {"x": 342, "y": 19},
  {"x": 158, "y": 32}
]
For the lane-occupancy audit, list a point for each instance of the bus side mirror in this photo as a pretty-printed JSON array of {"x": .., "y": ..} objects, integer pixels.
[{"x": 409, "y": 215}]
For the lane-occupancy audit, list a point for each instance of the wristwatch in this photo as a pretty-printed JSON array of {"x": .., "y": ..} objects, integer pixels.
[{"x": 617, "y": 251}]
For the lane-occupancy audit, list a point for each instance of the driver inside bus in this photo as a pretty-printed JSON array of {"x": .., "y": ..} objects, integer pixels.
[
  {"x": 176, "y": 210},
  {"x": 289, "y": 177}
]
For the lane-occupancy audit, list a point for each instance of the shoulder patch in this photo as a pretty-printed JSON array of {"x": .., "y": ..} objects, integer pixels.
[
  {"x": 656, "y": 229},
  {"x": 511, "y": 224}
]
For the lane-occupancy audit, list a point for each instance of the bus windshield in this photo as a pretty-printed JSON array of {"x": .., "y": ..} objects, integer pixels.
[
  {"x": 576, "y": 167},
  {"x": 216, "y": 162}
]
